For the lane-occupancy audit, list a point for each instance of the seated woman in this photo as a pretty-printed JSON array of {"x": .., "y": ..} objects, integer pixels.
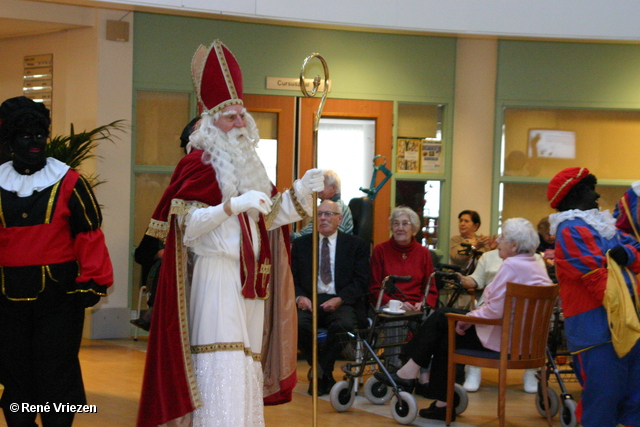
[
  {"x": 487, "y": 268},
  {"x": 402, "y": 255},
  {"x": 516, "y": 247},
  {"x": 468, "y": 224}
]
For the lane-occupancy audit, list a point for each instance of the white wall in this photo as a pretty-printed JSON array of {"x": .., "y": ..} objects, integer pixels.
[
  {"x": 474, "y": 111},
  {"x": 114, "y": 91},
  {"x": 74, "y": 77},
  {"x": 92, "y": 86}
]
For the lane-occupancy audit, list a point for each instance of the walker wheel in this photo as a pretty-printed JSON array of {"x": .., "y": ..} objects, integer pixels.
[
  {"x": 342, "y": 396},
  {"x": 377, "y": 392},
  {"x": 554, "y": 402},
  {"x": 404, "y": 408},
  {"x": 568, "y": 413},
  {"x": 460, "y": 399}
]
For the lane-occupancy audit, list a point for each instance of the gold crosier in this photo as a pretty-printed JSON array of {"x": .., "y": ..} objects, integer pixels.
[{"x": 314, "y": 245}]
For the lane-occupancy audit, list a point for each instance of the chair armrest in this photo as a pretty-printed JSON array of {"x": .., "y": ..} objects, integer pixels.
[{"x": 453, "y": 317}]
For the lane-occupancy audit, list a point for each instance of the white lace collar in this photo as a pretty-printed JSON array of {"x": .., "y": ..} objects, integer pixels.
[
  {"x": 25, "y": 185},
  {"x": 602, "y": 221}
]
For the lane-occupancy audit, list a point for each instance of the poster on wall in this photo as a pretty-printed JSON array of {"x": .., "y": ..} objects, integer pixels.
[
  {"x": 553, "y": 144},
  {"x": 408, "y": 155},
  {"x": 431, "y": 161}
]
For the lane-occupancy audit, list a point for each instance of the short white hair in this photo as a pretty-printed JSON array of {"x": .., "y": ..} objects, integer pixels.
[
  {"x": 332, "y": 178},
  {"x": 404, "y": 210},
  {"x": 521, "y": 231}
]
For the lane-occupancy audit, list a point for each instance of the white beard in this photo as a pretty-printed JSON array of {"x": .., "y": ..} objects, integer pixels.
[{"x": 234, "y": 158}]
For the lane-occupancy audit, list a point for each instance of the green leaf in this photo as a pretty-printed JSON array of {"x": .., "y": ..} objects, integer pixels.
[{"x": 75, "y": 148}]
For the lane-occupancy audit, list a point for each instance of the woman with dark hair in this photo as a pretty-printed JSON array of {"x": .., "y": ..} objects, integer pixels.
[
  {"x": 54, "y": 264},
  {"x": 468, "y": 224}
]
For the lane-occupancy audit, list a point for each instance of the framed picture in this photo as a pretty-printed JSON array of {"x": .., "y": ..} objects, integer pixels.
[
  {"x": 552, "y": 144},
  {"x": 408, "y": 155}
]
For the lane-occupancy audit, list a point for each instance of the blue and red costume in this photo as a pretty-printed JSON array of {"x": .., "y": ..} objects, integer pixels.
[{"x": 611, "y": 395}]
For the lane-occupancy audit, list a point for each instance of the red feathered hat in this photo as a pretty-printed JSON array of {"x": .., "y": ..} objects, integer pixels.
[
  {"x": 216, "y": 77},
  {"x": 563, "y": 182}
]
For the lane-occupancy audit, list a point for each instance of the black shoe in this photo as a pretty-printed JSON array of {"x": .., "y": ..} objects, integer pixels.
[
  {"x": 327, "y": 382},
  {"x": 406, "y": 385},
  {"x": 141, "y": 324},
  {"x": 435, "y": 413}
]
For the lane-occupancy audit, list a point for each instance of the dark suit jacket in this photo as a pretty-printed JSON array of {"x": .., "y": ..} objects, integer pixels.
[{"x": 351, "y": 270}]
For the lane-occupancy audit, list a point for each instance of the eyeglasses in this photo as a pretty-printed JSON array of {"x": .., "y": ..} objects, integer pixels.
[
  {"x": 327, "y": 214},
  {"x": 402, "y": 224}
]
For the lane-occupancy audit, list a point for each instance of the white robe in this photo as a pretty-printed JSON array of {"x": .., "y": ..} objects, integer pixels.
[{"x": 224, "y": 328}]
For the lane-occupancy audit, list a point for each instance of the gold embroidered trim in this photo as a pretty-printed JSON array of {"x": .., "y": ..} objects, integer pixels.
[
  {"x": 225, "y": 346},
  {"x": 275, "y": 210},
  {"x": 225, "y": 70},
  {"x": 52, "y": 198},
  {"x": 93, "y": 200},
  {"x": 296, "y": 203},
  {"x": 224, "y": 105},
  {"x": 24, "y": 299},
  {"x": 158, "y": 229},
  {"x": 265, "y": 269},
  {"x": 181, "y": 289},
  {"x": 84, "y": 208},
  {"x": 181, "y": 207},
  {"x": 82, "y": 291}
]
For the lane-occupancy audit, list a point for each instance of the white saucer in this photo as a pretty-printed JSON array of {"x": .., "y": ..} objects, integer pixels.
[{"x": 388, "y": 311}]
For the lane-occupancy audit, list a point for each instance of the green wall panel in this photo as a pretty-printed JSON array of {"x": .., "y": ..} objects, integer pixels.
[
  {"x": 362, "y": 65},
  {"x": 569, "y": 74}
]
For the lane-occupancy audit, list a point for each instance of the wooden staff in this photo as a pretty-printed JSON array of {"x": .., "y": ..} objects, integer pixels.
[{"x": 314, "y": 253}]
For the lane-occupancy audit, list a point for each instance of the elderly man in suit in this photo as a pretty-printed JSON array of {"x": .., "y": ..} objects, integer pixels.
[{"x": 343, "y": 275}]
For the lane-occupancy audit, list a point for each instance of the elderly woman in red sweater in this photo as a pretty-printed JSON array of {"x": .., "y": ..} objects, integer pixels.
[{"x": 402, "y": 255}]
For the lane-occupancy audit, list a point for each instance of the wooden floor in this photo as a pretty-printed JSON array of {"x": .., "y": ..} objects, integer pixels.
[{"x": 113, "y": 377}]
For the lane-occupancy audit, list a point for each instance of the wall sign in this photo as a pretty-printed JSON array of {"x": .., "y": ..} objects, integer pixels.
[
  {"x": 38, "y": 78},
  {"x": 287, "y": 83}
]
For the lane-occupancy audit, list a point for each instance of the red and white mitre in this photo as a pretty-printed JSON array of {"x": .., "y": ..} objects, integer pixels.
[{"x": 217, "y": 78}]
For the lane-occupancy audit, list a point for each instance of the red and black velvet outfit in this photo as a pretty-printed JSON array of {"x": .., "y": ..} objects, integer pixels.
[{"x": 53, "y": 263}]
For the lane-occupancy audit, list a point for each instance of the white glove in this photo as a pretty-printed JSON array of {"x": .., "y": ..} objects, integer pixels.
[
  {"x": 251, "y": 199},
  {"x": 313, "y": 180}
]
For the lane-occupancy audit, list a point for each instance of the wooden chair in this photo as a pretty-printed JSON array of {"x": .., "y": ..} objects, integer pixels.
[{"x": 525, "y": 328}]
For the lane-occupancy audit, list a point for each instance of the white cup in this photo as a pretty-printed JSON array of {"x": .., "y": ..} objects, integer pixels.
[{"x": 395, "y": 305}]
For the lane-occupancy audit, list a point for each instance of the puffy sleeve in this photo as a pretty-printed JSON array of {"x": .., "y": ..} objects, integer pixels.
[{"x": 89, "y": 243}]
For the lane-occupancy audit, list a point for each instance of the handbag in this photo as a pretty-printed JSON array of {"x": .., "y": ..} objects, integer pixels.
[{"x": 623, "y": 312}]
